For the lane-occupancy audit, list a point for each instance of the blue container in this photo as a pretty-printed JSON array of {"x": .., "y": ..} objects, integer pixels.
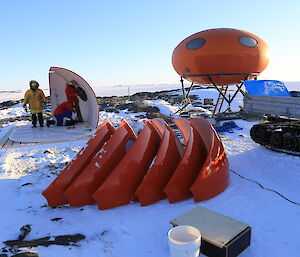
[{"x": 267, "y": 88}]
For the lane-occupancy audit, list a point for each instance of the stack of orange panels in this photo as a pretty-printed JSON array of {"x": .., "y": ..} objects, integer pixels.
[{"x": 117, "y": 167}]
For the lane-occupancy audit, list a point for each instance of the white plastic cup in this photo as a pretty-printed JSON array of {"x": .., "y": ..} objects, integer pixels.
[{"x": 184, "y": 241}]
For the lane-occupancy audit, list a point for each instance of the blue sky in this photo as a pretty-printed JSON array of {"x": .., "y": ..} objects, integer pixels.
[{"x": 131, "y": 42}]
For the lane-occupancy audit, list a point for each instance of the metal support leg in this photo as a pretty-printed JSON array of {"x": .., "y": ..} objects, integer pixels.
[
  {"x": 221, "y": 93},
  {"x": 186, "y": 100}
]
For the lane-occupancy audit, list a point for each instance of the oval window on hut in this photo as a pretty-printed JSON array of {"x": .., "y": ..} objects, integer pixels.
[
  {"x": 248, "y": 41},
  {"x": 195, "y": 43}
]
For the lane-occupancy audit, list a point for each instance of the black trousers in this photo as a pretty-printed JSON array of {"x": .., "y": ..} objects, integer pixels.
[
  {"x": 39, "y": 116},
  {"x": 78, "y": 113}
]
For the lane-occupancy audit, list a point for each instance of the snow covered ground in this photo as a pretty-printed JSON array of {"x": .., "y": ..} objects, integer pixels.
[
  {"x": 11, "y": 95},
  {"x": 16, "y": 110},
  {"x": 134, "y": 231}
]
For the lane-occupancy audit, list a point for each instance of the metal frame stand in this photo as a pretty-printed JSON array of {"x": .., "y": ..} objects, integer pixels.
[
  {"x": 221, "y": 89},
  {"x": 186, "y": 99}
]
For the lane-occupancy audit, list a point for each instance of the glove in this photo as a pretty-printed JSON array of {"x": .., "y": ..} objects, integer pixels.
[{"x": 25, "y": 107}]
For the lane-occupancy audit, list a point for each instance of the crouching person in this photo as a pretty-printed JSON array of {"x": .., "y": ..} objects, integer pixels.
[
  {"x": 35, "y": 98},
  {"x": 62, "y": 115}
]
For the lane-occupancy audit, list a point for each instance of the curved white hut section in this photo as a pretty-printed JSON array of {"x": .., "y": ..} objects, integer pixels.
[{"x": 58, "y": 78}]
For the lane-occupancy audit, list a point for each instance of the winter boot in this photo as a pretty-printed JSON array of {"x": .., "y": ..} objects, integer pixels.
[
  {"x": 50, "y": 122},
  {"x": 68, "y": 121}
]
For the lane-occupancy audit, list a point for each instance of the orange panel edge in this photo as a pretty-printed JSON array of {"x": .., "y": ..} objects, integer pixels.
[
  {"x": 54, "y": 193},
  {"x": 213, "y": 177},
  {"x": 119, "y": 188}
]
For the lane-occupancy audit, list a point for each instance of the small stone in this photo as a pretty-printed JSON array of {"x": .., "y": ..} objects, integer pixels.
[
  {"x": 26, "y": 254},
  {"x": 56, "y": 219}
]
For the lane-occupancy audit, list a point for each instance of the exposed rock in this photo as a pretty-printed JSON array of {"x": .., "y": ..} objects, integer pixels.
[
  {"x": 45, "y": 241},
  {"x": 25, "y": 254},
  {"x": 56, "y": 219},
  {"x": 137, "y": 107},
  {"x": 9, "y": 103}
]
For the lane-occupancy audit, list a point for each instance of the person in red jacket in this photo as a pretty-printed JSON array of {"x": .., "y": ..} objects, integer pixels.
[
  {"x": 71, "y": 93},
  {"x": 63, "y": 115}
]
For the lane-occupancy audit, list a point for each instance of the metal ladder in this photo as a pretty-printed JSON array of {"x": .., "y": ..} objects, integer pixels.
[{"x": 220, "y": 101}]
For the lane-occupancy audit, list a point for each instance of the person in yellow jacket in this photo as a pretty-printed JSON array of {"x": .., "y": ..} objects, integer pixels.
[{"x": 35, "y": 98}]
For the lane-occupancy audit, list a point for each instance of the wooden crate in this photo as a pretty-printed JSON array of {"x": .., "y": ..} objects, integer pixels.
[
  {"x": 221, "y": 236},
  {"x": 208, "y": 101}
]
